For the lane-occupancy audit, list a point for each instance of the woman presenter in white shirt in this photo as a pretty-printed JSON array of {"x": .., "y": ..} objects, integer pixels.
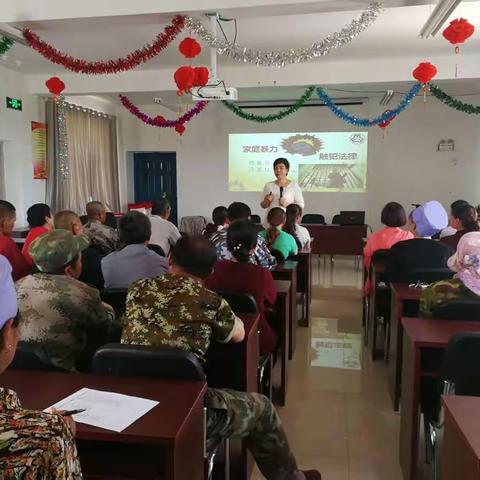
[{"x": 281, "y": 192}]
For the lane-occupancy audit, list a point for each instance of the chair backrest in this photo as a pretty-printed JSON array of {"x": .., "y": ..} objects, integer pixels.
[
  {"x": 240, "y": 302},
  {"x": 457, "y": 309},
  {"x": 255, "y": 218},
  {"x": 337, "y": 219},
  {"x": 157, "y": 249},
  {"x": 32, "y": 356},
  {"x": 461, "y": 363},
  {"x": 430, "y": 275},
  {"x": 144, "y": 361},
  {"x": 315, "y": 218},
  {"x": 116, "y": 297},
  {"x": 380, "y": 255}
]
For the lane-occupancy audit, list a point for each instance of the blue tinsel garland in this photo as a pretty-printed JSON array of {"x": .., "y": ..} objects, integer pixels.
[{"x": 366, "y": 122}]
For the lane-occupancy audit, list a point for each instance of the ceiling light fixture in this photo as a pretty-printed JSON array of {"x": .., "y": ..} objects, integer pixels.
[
  {"x": 438, "y": 17},
  {"x": 387, "y": 97}
]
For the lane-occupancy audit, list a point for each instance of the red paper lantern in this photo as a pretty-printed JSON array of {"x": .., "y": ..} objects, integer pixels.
[
  {"x": 424, "y": 72},
  {"x": 180, "y": 129},
  {"x": 55, "y": 85},
  {"x": 201, "y": 76},
  {"x": 458, "y": 31},
  {"x": 386, "y": 123},
  {"x": 184, "y": 78},
  {"x": 189, "y": 47}
]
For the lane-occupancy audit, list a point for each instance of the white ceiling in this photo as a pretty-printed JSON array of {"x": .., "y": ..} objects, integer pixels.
[{"x": 394, "y": 35}]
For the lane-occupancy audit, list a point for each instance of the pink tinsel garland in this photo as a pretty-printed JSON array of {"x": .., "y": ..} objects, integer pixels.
[{"x": 160, "y": 121}]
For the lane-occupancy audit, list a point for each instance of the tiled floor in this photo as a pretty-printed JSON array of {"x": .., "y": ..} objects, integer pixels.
[{"x": 339, "y": 418}]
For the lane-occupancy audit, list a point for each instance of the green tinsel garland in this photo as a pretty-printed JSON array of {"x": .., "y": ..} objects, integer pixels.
[
  {"x": 438, "y": 93},
  {"x": 274, "y": 116},
  {"x": 5, "y": 45}
]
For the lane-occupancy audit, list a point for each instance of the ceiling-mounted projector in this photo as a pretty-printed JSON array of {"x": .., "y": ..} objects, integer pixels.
[{"x": 214, "y": 91}]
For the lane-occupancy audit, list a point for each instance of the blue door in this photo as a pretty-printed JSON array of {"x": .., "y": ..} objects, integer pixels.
[{"x": 155, "y": 176}]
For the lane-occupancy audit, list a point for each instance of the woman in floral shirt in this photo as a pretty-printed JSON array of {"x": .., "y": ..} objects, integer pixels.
[{"x": 33, "y": 445}]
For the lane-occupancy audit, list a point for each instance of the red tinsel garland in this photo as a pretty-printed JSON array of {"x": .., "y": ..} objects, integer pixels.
[{"x": 133, "y": 59}]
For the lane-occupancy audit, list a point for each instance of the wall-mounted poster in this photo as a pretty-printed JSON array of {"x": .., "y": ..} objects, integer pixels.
[{"x": 39, "y": 150}]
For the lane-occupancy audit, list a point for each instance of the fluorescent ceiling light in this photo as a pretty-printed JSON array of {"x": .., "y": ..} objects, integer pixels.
[
  {"x": 439, "y": 16},
  {"x": 387, "y": 97}
]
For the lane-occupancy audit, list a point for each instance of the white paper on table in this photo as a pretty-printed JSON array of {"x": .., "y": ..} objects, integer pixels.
[{"x": 112, "y": 411}]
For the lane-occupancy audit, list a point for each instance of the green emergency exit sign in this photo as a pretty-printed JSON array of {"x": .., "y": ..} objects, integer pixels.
[{"x": 14, "y": 103}]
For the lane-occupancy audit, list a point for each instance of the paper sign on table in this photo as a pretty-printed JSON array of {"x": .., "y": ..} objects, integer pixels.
[{"x": 112, "y": 411}]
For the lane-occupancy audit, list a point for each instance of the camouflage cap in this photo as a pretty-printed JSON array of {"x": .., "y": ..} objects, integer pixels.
[{"x": 55, "y": 249}]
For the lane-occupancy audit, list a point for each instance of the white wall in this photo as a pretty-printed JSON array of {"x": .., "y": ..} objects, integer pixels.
[
  {"x": 404, "y": 165},
  {"x": 15, "y": 132}
]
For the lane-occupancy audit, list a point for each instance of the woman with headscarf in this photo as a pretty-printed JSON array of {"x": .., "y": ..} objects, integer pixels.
[{"x": 466, "y": 282}]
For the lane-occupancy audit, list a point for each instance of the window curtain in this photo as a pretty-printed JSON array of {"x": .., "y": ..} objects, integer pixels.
[{"x": 92, "y": 161}]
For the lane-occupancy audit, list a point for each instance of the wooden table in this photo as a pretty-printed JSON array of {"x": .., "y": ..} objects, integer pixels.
[
  {"x": 461, "y": 438},
  {"x": 282, "y": 316},
  {"x": 401, "y": 293},
  {"x": 288, "y": 271},
  {"x": 167, "y": 442},
  {"x": 235, "y": 366},
  {"x": 304, "y": 280},
  {"x": 420, "y": 335},
  {"x": 337, "y": 239}
]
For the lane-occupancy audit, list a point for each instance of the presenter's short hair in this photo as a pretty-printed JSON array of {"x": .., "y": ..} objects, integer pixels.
[
  {"x": 393, "y": 215},
  {"x": 283, "y": 161}
]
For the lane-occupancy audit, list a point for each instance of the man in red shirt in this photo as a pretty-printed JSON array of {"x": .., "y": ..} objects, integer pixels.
[{"x": 8, "y": 248}]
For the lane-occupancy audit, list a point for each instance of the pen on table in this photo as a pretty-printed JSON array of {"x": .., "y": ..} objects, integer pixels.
[{"x": 68, "y": 413}]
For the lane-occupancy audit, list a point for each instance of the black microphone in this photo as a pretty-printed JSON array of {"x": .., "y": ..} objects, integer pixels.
[{"x": 281, "y": 192}]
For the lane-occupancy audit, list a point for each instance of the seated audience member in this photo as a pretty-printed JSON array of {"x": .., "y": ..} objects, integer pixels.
[
  {"x": 33, "y": 444},
  {"x": 40, "y": 219},
  {"x": 464, "y": 219},
  {"x": 177, "y": 311},
  {"x": 393, "y": 217},
  {"x": 240, "y": 276},
  {"x": 102, "y": 237},
  {"x": 219, "y": 217},
  {"x": 261, "y": 256},
  {"x": 450, "y": 230},
  {"x": 275, "y": 237},
  {"x": 420, "y": 253},
  {"x": 8, "y": 248},
  {"x": 91, "y": 257},
  {"x": 466, "y": 282},
  {"x": 293, "y": 227},
  {"x": 135, "y": 261},
  {"x": 164, "y": 233},
  {"x": 62, "y": 314}
]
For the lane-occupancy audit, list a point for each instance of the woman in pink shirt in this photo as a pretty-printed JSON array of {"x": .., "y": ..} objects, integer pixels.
[
  {"x": 40, "y": 219},
  {"x": 393, "y": 217}
]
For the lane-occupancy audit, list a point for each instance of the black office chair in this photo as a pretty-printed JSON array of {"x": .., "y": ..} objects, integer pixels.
[
  {"x": 459, "y": 375},
  {"x": 32, "y": 356},
  {"x": 255, "y": 218},
  {"x": 381, "y": 309},
  {"x": 313, "y": 218},
  {"x": 117, "y": 298},
  {"x": 456, "y": 309},
  {"x": 157, "y": 249},
  {"x": 155, "y": 362},
  {"x": 245, "y": 303},
  {"x": 337, "y": 219},
  {"x": 279, "y": 257},
  {"x": 429, "y": 275}
]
